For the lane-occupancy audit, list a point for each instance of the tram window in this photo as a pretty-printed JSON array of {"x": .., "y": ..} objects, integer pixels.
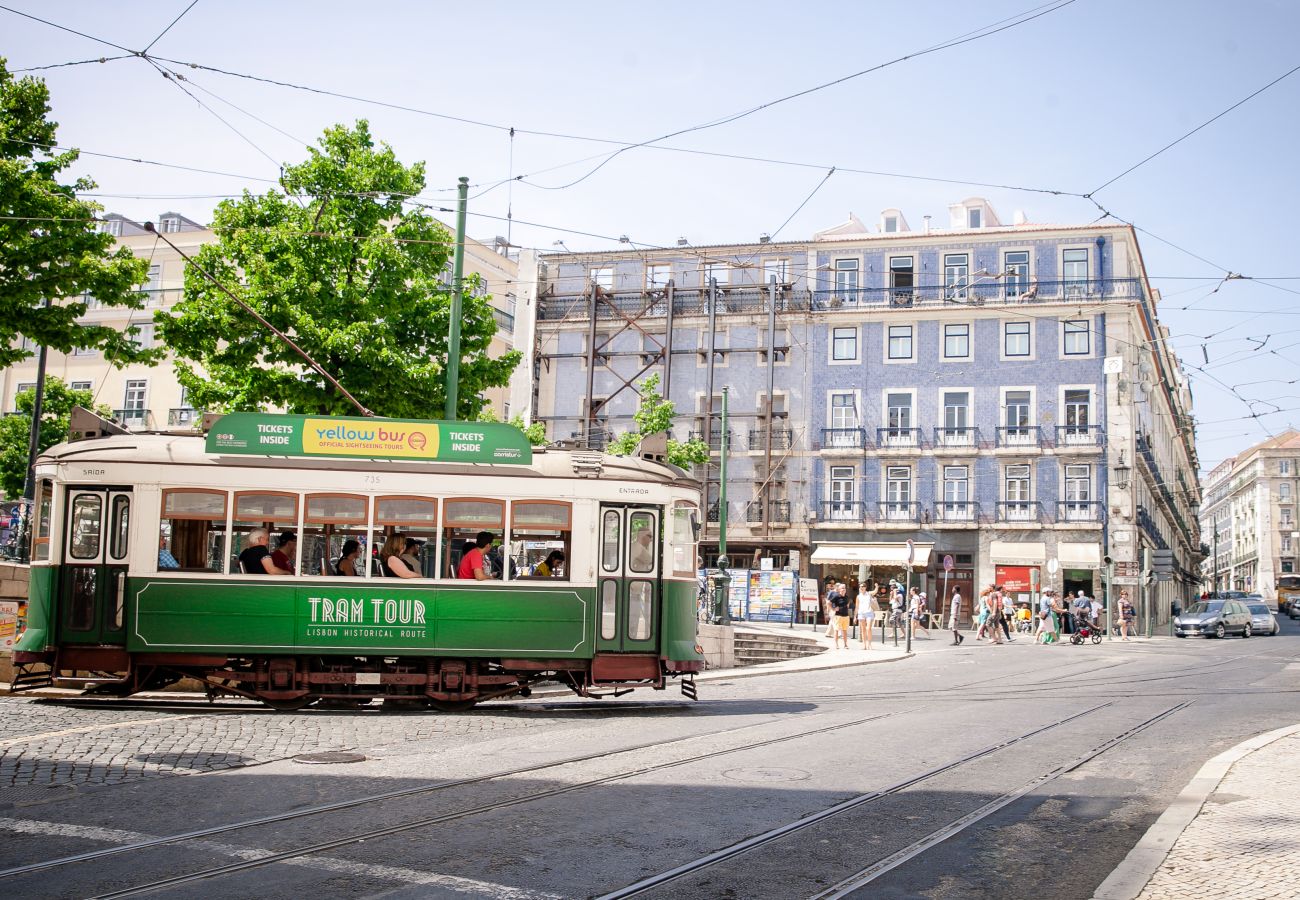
[
  {"x": 610, "y": 529},
  {"x": 642, "y": 538},
  {"x": 640, "y": 610},
  {"x": 121, "y": 527},
  {"x": 463, "y": 519},
  {"x": 41, "y": 533},
  {"x": 192, "y": 530},
  {"x": 539, "y": 528},
  {"x": 685, "y": 528},
  {"x": 275, "y": 512},
  {"x": 415, "y": 519},
  {"x": 87, "y": 516},
  {"x": 609, "y": 610},
  {"x": 331, "y": 521}
]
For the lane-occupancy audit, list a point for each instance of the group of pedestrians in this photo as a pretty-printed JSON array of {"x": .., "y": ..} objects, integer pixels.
[{"x": 840, "y": 607}]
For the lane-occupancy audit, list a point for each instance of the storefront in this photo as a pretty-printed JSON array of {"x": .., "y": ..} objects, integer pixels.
[
  {"x": 1079, "y": 564},
  {"x": 877, "y": 563},
  {"x": 1018, "y": 568}
]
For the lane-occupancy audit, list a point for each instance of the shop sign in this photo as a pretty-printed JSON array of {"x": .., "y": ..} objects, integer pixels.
[
  {"x": 1016, "y": 579},
  {"x": 261, "y": 434},
  {"x": 809, "y": 597}
]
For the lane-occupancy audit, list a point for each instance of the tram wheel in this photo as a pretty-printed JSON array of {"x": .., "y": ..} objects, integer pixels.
[
  {"x": 291, "y": 705},
  {"x": 452, "y": 706}
]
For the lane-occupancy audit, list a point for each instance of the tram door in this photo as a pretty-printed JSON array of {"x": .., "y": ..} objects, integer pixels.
[
  {"x": 93, "y": 580},
  {"x": 628, "y": 579}
]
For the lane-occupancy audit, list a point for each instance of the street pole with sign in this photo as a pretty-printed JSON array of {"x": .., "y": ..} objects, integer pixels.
[
  {"x": 907, "y": 592},
  {"x": 947, "y": 570}
]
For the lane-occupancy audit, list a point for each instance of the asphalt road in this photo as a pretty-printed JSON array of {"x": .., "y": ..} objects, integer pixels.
[{"x": 980, "y": 771}]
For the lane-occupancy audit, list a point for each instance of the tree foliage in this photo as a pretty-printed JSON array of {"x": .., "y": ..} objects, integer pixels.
[
  {"x": 536, "y": 432},
  {"x": 353, "y": 274},
  {"x": 51, "y": 248},
  {"x": 654, "y": 416},
  {"x": 15, "y": 430}
]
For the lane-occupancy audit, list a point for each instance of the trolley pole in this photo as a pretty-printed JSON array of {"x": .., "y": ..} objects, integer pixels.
[
  {"x": 724, "y": 580},
  {"x": 457, "y": 288},
  {"x": 25, "y": 511}
]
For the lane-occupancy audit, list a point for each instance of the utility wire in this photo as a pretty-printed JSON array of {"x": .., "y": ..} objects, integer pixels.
[
  {"x": 169, "y": 27},
  {"x": 79, "y": 62}
]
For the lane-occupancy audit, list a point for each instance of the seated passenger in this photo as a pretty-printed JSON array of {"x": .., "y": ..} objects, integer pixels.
[
  {"x": 165, "y": 558},
  {"x": 390, "y": 557},
  {"x": 552, "y": 566},
  {"x": 347, "y": 564},
  {"x": 474, "y": 563},
  {"x": 411, "y": 555},
  {"x": 256, "y": 557},
  {"x": 285, "y": 554}
]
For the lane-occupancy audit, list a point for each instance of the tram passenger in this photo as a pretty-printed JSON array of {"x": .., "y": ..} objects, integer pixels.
[
  {"x": 165, "y": 558},
  {"x": 284, "y": 554},
  {"x": 390, "y": 557},
  {"x": 256, "y": 557},
  {"x": 474, "y": 564},
  {"x": 552, "y": 566},
  {"x": 347, "y": 564},
  {"x": 411, "y": 555}
]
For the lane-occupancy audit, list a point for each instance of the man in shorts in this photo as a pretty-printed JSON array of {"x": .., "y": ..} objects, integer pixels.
[{"x": 840, "y": 614}]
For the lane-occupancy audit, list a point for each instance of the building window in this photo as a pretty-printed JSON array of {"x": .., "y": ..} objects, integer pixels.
[
  {"x": 898, "y": 492},
  {"x": 846, "y": 279},
  {"x": 1017, "y": 406},
  {"x": 1284, "y": 490},
  {"x": 844, "y": 411},
  {"x": 1078, "y": 484},
  {"x": 143, "y": 338},
  {"x": 1078, "y": 405},
  {"x": 1284, "y": 467},
  {"x": 1015, "y": 265},
  {"x": 603, "y": 277},
  {"x": 657, "y": 276},
  {"x": 85, "y": 351},
  {"x": 899, "y": 413},
  {"x": 956, "y": 418},
  {"x": 717, "y": 271},
  {"x": 1015, "y": 339},
  {"x": 780, "y": 346},
  {"x": 1074, "y": 266},
  {"x": 111, "y": 226},
  {"x": 956, "y": 341},
  {"x": 134, "y": 397},
  {"x": 974, "y": 217},
  {"x": 778, "y": 269},
  {"x": 1288, "y": 566},
  {"x": 956, "y": 275},
  {"x": 900, "y": 341},
  {"x": 844, "y": 344},
  {"x": 1285, "y": 513},
  {"x": 841, "y": 492},
  {"x": 1286, "y": 543},
  {"x": 891, "y": 224},
  {"x": 1016, "y": 486},
  {"x": 956, "y": 493},
  {"x": 1077, "y": 338},
  {"x": 81, "y": 386},
  {"x": 901, "y": 280}
]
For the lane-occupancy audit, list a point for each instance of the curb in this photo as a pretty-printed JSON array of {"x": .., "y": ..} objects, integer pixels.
[{"x": 1132, "y": 875}]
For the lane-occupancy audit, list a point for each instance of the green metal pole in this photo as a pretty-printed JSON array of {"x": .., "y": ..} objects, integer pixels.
[
  {"x": 457, "y": 285},
  {"x": 722, "y": 481}
]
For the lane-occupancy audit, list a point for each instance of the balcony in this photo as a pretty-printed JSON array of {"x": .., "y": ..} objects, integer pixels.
[
  {"x": 778, "y": 512},
  {"x": 1080, "y": 511},
  {"x": 1022, "y": 436},
  {"x": 782, "y": 438},
  {"x": 184, "y": 417},
  {"x": 964, "y": 437},
  {"x": 898, "y": 438},
  {"x": 714, "y": 439},
  {"x": 1079, "y": 436},
  {"x": 842, "y": 511},
  {"x": 844, "y": 438},
  {"x": 505, "y": 321},
  {"x": 899, "y": 511},
  {"x": 970, "y": 292},
  {"x": 132, "y": 418},
  {"x": 1023, "y": 511},
  {"x": 957, "y": 512}
]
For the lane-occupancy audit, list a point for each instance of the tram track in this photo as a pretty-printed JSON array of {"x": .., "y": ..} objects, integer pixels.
[
  {"x": 894, "y": 860},
  {"x": 420, "y": 790}
]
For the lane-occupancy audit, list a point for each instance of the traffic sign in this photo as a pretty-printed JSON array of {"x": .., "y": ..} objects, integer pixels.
[
  {"x": 1053, "y": 566},
  {"x": 911, "y": 552},
  {"x": 948, "y": 562}
]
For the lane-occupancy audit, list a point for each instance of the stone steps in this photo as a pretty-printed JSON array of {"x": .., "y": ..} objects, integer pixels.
[{"x": 753, "y": 648}]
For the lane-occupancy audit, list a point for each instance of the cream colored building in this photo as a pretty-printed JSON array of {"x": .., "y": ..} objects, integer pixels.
[{"x": 150, "y": 398}]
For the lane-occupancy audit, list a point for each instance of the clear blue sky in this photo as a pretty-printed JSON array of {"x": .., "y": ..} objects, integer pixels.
[{"x": 1064, "y": 102}]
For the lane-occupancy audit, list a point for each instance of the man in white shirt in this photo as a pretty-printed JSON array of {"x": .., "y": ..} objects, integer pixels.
[{"x": 954, "y": 617}]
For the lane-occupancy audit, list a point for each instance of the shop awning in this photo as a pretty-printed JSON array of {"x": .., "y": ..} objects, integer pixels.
[
  {"x": 871, "y": 554},
  {"x": 1018, "y": 553},
  {"x": 1079, "y": 556}
]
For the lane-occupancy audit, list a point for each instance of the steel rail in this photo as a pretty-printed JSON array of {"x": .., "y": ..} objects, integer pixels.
[
  {"x": 894, "y": 860},
  {"x": 413, "y": 791},
  {"x": 781, "y": 831},
  {"x": 362, "y": 837}
]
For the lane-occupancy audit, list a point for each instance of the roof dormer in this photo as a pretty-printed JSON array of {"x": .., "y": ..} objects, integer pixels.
[
  {"x": 852, "y": 228},
  {"x": 973, "y": 212},
  {"x": 892, "y": 221}
]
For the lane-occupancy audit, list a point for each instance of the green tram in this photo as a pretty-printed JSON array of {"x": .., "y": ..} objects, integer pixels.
[{"x": 136, "y": 580}]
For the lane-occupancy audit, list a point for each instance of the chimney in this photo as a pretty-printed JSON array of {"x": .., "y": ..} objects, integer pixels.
[
  {"x": 764, "y": 238},
  {"x": 925, "y": 228},
  {"x": 1019, "y": 217}
]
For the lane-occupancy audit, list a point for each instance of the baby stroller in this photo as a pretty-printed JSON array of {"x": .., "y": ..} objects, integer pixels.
[{"x": 1083, "y": 630}]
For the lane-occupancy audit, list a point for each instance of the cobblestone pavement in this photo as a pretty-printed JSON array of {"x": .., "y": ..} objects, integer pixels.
[
  {"x": 1244, "y": 841},
  {"x": 51, "y": 746}
]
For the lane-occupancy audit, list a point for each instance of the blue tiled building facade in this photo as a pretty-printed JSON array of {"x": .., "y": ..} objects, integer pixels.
[{"x": 997, "y": 394}]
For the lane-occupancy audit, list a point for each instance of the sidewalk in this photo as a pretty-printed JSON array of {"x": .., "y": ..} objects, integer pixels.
[
  {"x": 830, "y": 658},
  {"x": 1230, "y": 833}
]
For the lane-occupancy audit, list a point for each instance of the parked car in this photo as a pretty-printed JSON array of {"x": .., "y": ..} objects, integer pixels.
[
  {"x": 1293, "y": 611},
  {"x": 1214, "y": 618},
  {"x": 1261, "y": 618}
]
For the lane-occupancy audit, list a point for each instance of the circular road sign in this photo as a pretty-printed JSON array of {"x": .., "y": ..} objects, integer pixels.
[{"x": 947, "y": 562}]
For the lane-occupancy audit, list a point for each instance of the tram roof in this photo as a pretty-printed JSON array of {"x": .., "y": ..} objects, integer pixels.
[{"x": 190, "y": 450}]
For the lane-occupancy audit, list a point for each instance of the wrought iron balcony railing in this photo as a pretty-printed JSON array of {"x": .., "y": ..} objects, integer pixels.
[
  {"x": 1020, "y": 511},
  {"x": 1079, "y": 436},
  {"x": 894, "y": 438},
  {"x": 781, "y": 438},
  {"x": 899, "y": 511},
  {"x": 1080, "y": 511},
  {"x": 715, "y": 439},
  {"x": 184, "y": 417},
  {"x": 1020, "y": 436},
  {"x": 778, "y": 512},
  {"x": 956, "y": 512},
  {"x": 132, "y": 418},
  {"x": 842, "y": 511},
  {"x": 844, "y": 438},
  {"x": 965, "y": 436}
]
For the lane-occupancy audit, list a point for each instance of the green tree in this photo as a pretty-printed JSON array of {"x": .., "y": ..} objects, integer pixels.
[
  {"x": 536, "y": 432},
  {"x": 15, "y": 430},
  {"x": 49, "y": 246},
  {"x": 654, "y": 416},
  {"x": 353, "y": 274}
]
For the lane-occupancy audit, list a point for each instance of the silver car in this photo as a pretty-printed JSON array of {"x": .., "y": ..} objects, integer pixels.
[
  {"x": 1262, "y": 620},
  {"x": 1214, "y": 618}
]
